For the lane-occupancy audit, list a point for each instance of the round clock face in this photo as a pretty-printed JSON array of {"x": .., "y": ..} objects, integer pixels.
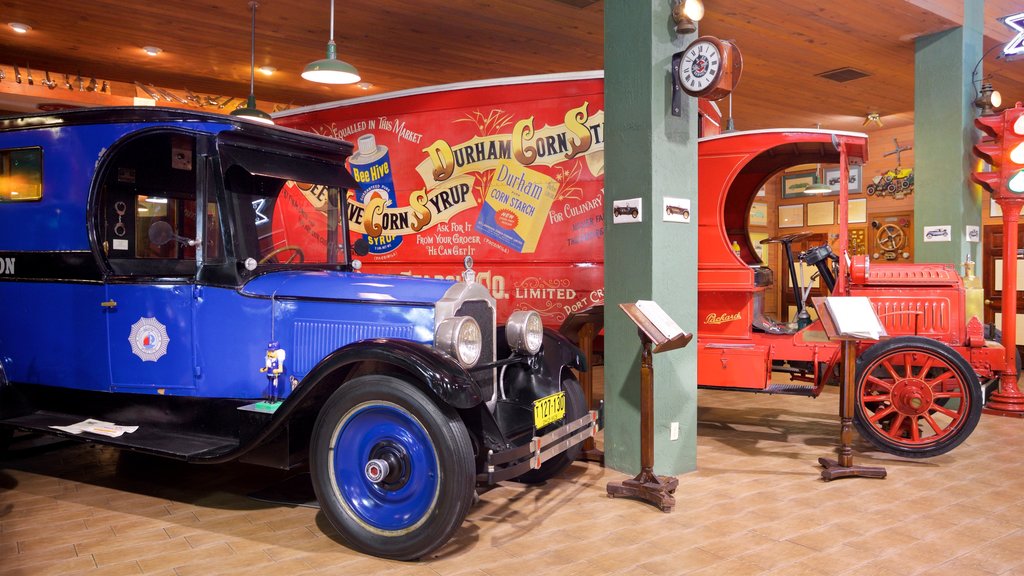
[{"x": 700, "y": 68}]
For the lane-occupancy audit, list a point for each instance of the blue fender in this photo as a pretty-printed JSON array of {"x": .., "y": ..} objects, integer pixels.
[{"x": 435, "y": 371}]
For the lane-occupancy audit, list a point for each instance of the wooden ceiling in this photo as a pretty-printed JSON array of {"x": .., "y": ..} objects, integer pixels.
[{"x": 400, "y": 44}]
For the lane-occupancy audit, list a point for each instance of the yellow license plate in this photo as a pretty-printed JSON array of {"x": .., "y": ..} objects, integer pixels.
[{"x": 548, "y": 409}]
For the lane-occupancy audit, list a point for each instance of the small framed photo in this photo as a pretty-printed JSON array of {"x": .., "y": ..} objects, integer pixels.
[
  {"x": 821, "y": 213},
  {"x": 791, "y": 216},
  {"x": 832, "y": 179},
  {"x": 758, "y": 214},
  {"x": 857, "y": 211},
  {"x": 793, "y": 185}
]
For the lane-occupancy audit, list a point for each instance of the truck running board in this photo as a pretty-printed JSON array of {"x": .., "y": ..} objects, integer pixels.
[
  {"x": 791, "y": 389},
  {"x": 169, "y": 443}
]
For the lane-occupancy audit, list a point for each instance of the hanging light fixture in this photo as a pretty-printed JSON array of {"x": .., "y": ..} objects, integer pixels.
[
  {"x": 250, "y": 111},
  {"x": 330, "y": 70},
  {"x": 817, "y": 188}
]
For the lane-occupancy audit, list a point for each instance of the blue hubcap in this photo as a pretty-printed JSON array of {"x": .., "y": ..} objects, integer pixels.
[{"x": 385, "y": 468}]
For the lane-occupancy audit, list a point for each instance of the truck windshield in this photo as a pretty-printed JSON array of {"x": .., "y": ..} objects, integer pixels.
[{"x": 285, "y": 222}]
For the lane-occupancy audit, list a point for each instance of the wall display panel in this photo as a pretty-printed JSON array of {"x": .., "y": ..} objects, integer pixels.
[
  {"x": 857, "y": 211},
  {"x": 791, "y": 216},
  {"x": 821, "y": 213}
]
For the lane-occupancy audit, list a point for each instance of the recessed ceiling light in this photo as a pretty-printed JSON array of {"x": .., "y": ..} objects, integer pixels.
[
  {"x": 365, "y": 85},
  {"x": 267, "y": 70},
  {"x": 19, "y": 27},
  {"x": 151, "y": 50}
]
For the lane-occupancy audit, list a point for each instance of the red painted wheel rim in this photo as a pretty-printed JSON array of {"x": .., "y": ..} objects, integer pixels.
[{"x": 913, "y": 398}]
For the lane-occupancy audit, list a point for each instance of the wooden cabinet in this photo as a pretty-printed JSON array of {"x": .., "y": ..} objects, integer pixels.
[{"x": 992, "y": 257}]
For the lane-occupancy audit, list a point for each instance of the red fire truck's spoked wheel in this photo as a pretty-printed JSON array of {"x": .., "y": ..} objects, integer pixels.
[{"x": 915, "y": 397}]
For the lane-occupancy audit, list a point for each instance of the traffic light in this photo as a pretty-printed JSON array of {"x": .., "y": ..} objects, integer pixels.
[
  {"x": 1002, "y": 149},
  {"x": 1013, "y": 150}
]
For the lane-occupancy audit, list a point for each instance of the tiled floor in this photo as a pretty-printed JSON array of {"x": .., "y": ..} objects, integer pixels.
[{"x": 755, "y": 506}]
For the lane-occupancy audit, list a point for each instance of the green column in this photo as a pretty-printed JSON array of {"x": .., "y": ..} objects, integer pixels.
[
  {"x": 649, "y": 154},
  {"x": 943, "y": 136}
]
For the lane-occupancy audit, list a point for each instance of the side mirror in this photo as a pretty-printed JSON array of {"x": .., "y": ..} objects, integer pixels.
[{"x": 160, "y": 232}]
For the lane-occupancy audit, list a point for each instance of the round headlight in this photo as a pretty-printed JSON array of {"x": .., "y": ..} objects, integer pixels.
[
  {"x": 525, "y": 332},
  {"x": 460, "y": 338}
]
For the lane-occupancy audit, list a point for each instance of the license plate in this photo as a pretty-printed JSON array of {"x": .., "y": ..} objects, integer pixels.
[{"x": 548, "y": 409}]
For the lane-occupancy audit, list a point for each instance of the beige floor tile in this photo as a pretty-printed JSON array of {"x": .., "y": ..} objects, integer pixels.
[{"x": 755, "y": 505}]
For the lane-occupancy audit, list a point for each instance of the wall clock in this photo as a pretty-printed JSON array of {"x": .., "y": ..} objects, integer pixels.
[{"x": 708, "y": 68}]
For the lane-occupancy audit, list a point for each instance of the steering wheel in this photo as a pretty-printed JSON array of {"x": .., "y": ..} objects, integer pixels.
[
  {"x": 297, "y": 252},
  {"x": 890, "y": 237},
  {"x": 787, "y": 238}
]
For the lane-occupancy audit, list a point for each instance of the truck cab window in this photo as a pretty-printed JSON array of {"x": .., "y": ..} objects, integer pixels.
[{"x": 149, "y": 211}]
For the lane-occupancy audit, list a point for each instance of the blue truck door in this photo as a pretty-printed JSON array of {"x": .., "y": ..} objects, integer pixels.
[
  {"x": 150, "y": 337},
  {"x": 148, "y": 208}
]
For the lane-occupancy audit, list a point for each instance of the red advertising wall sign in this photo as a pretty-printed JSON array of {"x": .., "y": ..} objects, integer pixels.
[{"x": 509, "y": 174}]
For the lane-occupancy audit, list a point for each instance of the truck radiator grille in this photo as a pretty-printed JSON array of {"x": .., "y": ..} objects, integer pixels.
[
  {"x": 916, "y": 316},
  {"x": 482, "y": 312},
  {"x": 315, "y": 340}
]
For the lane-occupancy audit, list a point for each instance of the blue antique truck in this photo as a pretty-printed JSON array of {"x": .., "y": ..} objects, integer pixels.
[{"x": 182, "y": 284}]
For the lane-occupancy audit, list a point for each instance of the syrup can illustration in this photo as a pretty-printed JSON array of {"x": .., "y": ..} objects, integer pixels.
[{"x": 371, "y": 166}]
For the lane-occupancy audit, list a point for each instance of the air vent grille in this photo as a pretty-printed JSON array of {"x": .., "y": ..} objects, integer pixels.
[{"x": 843, "y": 74}]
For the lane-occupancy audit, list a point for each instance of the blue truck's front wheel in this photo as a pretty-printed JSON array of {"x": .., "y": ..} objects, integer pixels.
[{"x": 393, "y": 470}]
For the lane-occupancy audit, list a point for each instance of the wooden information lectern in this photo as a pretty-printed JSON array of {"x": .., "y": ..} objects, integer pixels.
[
  {"x": 658, "y": 333},
  {"x": 857, "y": 310}
]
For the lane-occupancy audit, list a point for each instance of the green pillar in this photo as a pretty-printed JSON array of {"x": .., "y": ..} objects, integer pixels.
[
  {"x": 943, "y": 136},
  {"x": 649, "y": 154}
]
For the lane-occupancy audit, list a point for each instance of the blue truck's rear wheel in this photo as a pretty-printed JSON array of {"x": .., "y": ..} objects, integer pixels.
[{"x": 392, "y": 469}]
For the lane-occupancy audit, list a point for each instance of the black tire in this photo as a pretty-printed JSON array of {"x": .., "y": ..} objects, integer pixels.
[
  {"x": 429, "y": 482},
  {"x": 912, "y": 413},
  {"x": 575, "y": 408}
]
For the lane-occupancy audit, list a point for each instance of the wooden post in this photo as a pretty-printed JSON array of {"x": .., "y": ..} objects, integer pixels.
[{"x": 590, "y": 453}]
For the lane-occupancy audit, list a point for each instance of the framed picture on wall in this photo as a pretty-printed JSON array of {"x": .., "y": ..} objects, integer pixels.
[
  {"x": 832, "y": 179},
  {"x": 995, "y": 211},
  {"x": 857, "y": 211},
  {"x": 793, "y": 185},
  {"x": 762, "y": 250},
  {"x": 758, "y": 214},
  {"x": 791, "y": 216},
  {"x": 821, "y": 213}
]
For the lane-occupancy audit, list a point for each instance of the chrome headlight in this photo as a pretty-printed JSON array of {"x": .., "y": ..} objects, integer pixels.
[
  {"x": 460, "y": 338},
  {"x": 525, "y": 332}
]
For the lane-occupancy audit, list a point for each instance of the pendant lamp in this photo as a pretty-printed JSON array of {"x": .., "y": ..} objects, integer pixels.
[
  {"x": 250, "y": 111},
  {"x": 330, "y": 70}
]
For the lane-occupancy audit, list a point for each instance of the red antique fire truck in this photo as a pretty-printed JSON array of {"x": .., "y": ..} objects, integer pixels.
[{"x": 918, "y": 392}]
